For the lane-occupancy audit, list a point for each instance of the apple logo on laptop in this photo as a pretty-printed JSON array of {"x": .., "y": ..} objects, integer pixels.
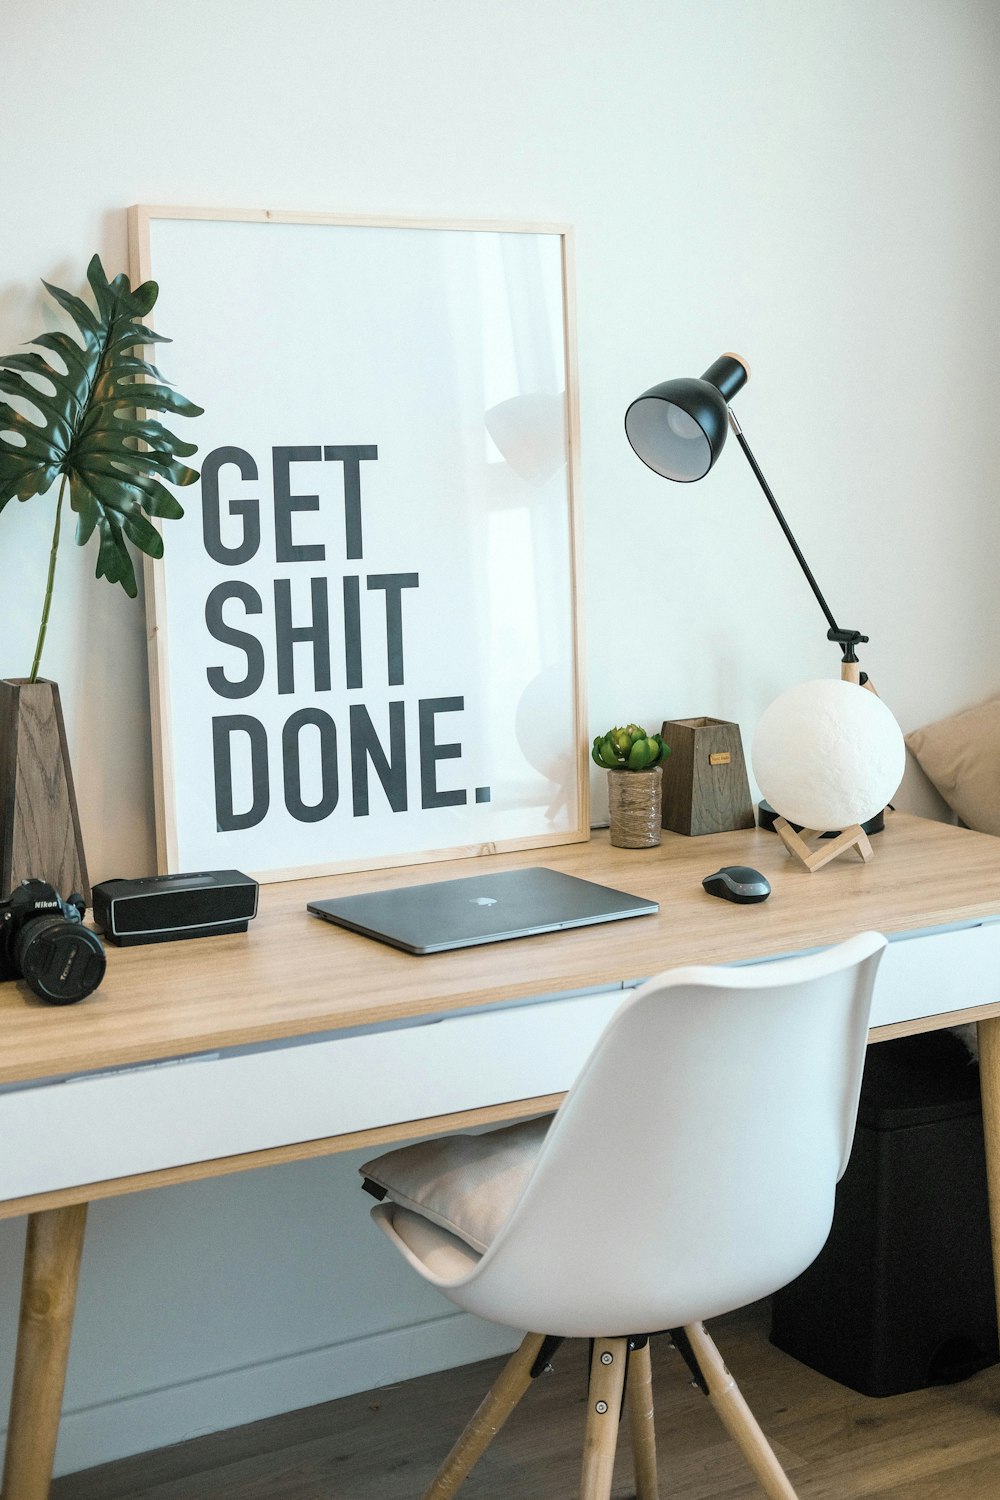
[{"x": 483, "y": 901}]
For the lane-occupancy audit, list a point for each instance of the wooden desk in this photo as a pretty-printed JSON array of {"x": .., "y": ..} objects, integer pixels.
[{"x": 300, "y": 1039}]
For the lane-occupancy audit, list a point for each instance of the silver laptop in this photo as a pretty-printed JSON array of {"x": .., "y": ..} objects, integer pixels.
[{"x": 480, "y": 909}]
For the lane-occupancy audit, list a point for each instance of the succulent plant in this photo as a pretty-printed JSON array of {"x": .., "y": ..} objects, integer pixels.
[{"x": 629, "y": 749}]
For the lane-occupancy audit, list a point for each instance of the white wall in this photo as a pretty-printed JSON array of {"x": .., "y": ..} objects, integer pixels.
[{"x": 812, "y": 185}]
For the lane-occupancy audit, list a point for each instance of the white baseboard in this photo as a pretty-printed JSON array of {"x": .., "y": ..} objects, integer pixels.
[{"x": 153, "y": 1419}]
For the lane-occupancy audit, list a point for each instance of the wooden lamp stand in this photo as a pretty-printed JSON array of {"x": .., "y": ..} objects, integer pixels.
[{"x": 815, "y": 857}]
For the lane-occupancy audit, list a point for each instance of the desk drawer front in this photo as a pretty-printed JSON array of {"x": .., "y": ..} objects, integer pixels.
[
  {"x": 932, "y": 974},
  {"x": 117, "y": 1124}
]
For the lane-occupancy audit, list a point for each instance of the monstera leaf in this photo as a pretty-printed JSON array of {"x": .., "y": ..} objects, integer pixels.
[{"x": 90, "y": 432}]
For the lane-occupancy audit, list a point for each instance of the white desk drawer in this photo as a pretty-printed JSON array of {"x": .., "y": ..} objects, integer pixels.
[
  {"x": 937, "y": 972},
  {"x": 103, "y": 1126},
  {"x": 141, "y": 1120}
]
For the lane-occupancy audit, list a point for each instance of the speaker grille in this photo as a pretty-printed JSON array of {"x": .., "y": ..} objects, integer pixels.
[{"x": 172, "y": 903}]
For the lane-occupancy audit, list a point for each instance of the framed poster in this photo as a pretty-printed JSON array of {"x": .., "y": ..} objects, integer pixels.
[{"x": 364, "y": 644}]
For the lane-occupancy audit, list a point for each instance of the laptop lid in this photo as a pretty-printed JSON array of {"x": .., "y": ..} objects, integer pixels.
[{"x": 485, "y": 908}]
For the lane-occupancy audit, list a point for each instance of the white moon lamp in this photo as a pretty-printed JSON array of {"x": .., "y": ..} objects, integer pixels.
[{"x": 828, "y": 755}]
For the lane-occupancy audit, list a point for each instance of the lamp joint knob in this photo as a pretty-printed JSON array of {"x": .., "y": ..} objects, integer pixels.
[{"x": 848, "y": 639}]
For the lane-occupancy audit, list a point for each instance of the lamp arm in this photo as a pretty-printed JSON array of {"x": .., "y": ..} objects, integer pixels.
[{"x": 847, "y": 639}]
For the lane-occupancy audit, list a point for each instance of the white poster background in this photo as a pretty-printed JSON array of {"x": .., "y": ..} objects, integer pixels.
[{"x": 444, "y": 350}]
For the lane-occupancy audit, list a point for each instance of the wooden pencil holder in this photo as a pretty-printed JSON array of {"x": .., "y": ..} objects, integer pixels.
[{"x": 705, "y": 786}]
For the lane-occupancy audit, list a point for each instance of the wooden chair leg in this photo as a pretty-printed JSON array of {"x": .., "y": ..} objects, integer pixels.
[
  {"x": 639, "y": 1400},
  {"x": 48, "y": 1298},
  {"x": 604, "y": 1405},
  {"x": 737, "y": 1418},
  {"x": 506, "y": 1391}
]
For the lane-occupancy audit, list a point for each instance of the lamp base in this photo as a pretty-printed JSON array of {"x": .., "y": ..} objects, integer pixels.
[
  {"x": 767, "y": 817},
  {"x": 795, "y": 841}
]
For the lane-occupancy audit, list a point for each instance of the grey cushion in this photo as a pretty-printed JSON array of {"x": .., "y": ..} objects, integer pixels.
[{"x": 467, "y": 1184}]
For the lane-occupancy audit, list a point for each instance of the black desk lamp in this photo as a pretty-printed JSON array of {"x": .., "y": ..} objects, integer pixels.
[{"x": 678, "y": 429}]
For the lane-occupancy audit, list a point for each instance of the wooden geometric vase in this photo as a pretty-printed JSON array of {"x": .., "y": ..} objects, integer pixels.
[{"x": 39, "y": 823}]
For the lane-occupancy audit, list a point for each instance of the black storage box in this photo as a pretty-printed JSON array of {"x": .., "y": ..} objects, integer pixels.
[{"x": 901, "y": 1296}]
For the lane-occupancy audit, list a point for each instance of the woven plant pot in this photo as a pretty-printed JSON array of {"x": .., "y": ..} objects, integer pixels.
[{"x": 635, "y": 805}]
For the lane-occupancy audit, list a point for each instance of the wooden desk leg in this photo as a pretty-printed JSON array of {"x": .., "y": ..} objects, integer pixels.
[
  {"x": 989, "y": 1088},
  {"x": 48, "y": 1299}
]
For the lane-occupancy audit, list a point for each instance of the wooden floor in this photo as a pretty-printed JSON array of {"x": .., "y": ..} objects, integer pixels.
[{"x": 941, "y": 1444}]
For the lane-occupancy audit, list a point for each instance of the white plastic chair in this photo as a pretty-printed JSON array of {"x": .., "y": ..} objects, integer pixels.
[{"x": 690, "y": 1170}]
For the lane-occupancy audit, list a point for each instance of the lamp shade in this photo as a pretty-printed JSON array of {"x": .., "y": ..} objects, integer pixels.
[
  {"x": 678, "y": 428},
  {"x": 827, "y": 754}
]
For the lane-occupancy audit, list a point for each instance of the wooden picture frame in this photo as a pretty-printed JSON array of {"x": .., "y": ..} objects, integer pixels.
[{"x": 364, "y": 634}]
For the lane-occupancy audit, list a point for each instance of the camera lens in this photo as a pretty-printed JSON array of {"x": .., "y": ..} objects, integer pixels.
[{"x": 60, "y": 960}]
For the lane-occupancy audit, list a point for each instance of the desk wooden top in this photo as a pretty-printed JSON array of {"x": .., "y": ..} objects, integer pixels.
[{"x": 294, "y": 975}]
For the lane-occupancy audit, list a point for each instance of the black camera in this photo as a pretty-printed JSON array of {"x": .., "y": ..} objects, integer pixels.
[{"x": 44, "y": 942}]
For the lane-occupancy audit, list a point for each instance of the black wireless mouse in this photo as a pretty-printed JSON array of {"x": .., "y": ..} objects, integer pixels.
[{"x": 738, "y": 883}]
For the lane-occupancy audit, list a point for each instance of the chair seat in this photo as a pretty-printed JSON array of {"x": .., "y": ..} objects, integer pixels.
[{"x": 464, "y": 1184}]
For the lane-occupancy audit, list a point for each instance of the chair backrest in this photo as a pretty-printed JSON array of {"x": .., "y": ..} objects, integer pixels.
[{"x": 692, "y": 1166}]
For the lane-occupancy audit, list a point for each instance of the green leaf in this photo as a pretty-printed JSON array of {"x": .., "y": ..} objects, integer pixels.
[
  {"x": 77, "y": 309},
  {"x": 113, "y": 561},
  {"x": 129, "y": 336},
  {"x": 145, "y": 536},
  {"x": 69, "y": 351},
  {"x": 131, "y": 364},
  {"x": 640, "y": 755},
  {"x": 33, "y": 363},
  {"x": 149, "y": 398},
  {"x": 152, "y": 495},
  {"x": 35, "y": 443},
  {"x": 115, "y": 484},
  {"x": 132, "y": 461},
  {"x": 50, "y": 406},
  {"x": 151, "y": 432},
  {"x": 88, "y": 515},
  {"x": 606, "y": 754}
]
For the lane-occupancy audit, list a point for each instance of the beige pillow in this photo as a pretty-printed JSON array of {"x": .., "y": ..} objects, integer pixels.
[
  {"x": 961, "y": 756},
  {"x": 467, "y": 1184}
]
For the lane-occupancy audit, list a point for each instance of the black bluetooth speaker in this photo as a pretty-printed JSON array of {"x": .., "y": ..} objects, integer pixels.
[{"x": 163, "y": 908}]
